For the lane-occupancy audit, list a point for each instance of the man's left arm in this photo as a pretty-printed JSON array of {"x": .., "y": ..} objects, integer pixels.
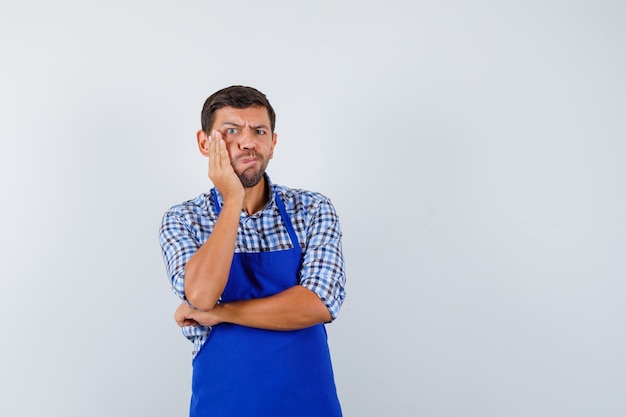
[{"x": 292, "y": 309}]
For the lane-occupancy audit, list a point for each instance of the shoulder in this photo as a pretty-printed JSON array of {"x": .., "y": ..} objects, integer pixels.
[
  {"x": 200, "y": 206},
  {"x": 308, "y": 207},
  {"x": 300, "y": 198}
]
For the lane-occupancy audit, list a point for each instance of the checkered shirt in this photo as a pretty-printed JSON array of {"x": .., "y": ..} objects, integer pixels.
[{"x": 185, "y": 227}]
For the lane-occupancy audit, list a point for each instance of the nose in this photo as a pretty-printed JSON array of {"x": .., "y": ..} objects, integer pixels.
[{"x": 246, "y": 139}]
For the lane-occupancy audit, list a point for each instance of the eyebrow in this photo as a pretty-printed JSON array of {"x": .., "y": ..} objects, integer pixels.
[
  {"x": 231, "y": 124},
  {"x": 261, "y": 126}
]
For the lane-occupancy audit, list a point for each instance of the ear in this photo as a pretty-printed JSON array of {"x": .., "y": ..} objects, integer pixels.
[
  {"x": 274, "y": 137},
  {"x": 203, "y": 143}
]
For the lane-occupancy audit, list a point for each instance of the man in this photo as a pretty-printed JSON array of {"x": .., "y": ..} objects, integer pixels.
[{"x": 259, "y": 268}]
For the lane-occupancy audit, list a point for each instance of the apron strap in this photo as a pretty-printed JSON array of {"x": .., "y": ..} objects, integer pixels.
[
  {"x": 283, "y": 213},
  {"x": 287, "y": 221}
]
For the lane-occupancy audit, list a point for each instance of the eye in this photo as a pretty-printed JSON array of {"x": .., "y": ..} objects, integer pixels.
[
  {"x": 260, "y": 132},
  {"x": 231, "y": 131}
]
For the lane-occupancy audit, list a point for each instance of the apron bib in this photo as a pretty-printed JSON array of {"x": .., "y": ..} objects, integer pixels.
[{"x": 246, "y": 372}]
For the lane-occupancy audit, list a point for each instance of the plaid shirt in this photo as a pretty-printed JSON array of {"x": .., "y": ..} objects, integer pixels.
[{"x": 185, "y": 227}]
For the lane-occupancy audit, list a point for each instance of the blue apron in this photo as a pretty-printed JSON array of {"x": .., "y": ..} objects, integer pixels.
[{"x": 246, "y": 372}]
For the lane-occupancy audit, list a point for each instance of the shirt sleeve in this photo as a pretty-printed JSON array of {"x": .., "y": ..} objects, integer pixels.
[
  {"x": 323, "y": 265},
  {"x": 178, "y": 246}
]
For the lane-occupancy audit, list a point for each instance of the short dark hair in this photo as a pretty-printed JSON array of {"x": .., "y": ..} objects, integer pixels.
[{"x": 238, "y": 97}]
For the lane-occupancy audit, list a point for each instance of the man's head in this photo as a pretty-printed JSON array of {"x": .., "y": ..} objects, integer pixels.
[
  {"x": 244, "y": 119},
  {"x": 238, "y": 97}
]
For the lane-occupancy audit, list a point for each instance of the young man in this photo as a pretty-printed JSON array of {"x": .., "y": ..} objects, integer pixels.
[{"x": 259, "y": 268}]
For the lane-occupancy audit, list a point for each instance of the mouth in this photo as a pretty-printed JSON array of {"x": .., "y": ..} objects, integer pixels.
[{"x": 249, "y": 159}]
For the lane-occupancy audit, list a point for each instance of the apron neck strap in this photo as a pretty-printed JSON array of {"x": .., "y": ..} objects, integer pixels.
[{"x": 283, "y": 214}]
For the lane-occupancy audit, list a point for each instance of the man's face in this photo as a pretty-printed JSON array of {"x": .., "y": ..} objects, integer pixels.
[{"x": 249, "y": 141}]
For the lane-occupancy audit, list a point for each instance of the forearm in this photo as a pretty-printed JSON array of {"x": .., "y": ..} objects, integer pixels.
[
  {"x": 206, "y": 272},
  {"x": 292, "y": 309}
]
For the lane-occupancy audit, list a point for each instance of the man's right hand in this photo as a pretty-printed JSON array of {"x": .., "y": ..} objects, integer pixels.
[{"x": 221, "y": 171}]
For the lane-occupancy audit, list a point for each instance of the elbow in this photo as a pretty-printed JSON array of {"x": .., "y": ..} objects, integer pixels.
[
  {"x": 315, "y": 312},
  {"x": 322, "y": 315},
  {"x": 199, "y": 299},
  {"x": 320, "y": 309},
  {"x": 197, "y": 293},
  {"x": 312, "y": 317}
]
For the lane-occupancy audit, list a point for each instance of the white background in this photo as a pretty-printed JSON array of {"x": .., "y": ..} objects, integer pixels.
[{"x": 474, "y": 152}]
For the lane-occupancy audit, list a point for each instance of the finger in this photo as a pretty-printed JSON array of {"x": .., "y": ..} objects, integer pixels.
[
  {"x": 184, "y": 320},
  {"x": 179, "y": 318},
  {"x": 182, "y": 312},
  {"x": 224, "y": 157},
  {"x": 217, "y": 139},
  {"x": 212, "y": 156}
]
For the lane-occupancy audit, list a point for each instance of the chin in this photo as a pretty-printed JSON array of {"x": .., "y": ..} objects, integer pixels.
[{"x": 250, "y": 181}]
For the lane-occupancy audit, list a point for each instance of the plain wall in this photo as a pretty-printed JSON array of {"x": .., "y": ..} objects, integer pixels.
[{"x": 474, "y": 152}]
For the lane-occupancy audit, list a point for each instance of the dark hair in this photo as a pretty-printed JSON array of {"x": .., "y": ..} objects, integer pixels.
[{"x": 238, "y": 97}]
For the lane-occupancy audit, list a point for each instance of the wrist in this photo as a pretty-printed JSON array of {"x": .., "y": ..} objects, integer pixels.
[{"x": 222, "y": 313}]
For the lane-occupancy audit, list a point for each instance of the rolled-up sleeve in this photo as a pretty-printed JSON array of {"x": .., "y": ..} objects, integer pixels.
[
  {"x": 177, "y": 245},
  {"x": 323, "y": 270}
]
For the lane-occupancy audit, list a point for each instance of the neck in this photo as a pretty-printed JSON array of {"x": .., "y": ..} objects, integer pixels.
[{"x": 256, "y": 197}]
